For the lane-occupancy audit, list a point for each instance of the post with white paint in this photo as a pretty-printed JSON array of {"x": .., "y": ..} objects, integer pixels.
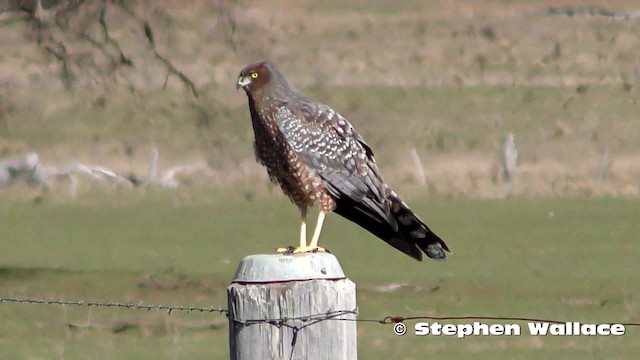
[{"x": 289, "y": 306}]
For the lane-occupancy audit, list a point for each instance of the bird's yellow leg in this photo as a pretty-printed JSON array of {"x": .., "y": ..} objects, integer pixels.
[
  {"x": 304, "y": 248},
  {"x": 316, "y": 233},
  {"x": 303, "y": 228},
  {"x": 303, "y": 234}
]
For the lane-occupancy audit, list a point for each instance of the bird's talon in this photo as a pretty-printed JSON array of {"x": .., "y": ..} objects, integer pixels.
[
  {"x": 309, "y": 249},
  {"x": 286, "y": 250}
]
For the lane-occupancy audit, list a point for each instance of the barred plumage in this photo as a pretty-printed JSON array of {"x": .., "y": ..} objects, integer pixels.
[{"x": 319, "y": 160}]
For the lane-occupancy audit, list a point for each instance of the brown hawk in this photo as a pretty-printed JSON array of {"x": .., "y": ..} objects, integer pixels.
[{"x": 319, "y": 160}]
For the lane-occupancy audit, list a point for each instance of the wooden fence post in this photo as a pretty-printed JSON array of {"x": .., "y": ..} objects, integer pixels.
[{"x": 292, "y": 292}]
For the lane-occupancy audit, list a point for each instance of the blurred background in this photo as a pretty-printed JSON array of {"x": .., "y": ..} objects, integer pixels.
[{"x": 127, "y": 166}]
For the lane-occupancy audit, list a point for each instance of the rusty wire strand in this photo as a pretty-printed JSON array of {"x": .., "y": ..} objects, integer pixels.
[
  {"x": 288, "y": 322},
  {"x": 307, "y": 319},
  {"x": 116, "y": 304}
]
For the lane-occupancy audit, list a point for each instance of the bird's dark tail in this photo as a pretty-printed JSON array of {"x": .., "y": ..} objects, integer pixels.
[{"x": 409, "y": 234}]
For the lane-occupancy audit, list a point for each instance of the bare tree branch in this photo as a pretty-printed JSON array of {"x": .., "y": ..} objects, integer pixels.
[{"x": 171, "y": 69}]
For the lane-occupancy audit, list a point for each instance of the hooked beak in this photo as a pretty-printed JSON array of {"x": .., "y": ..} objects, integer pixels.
[{"x": 242, "y": 82}]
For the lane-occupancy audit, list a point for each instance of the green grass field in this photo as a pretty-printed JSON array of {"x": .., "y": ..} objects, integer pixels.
[{"x": 566, "y": 259}]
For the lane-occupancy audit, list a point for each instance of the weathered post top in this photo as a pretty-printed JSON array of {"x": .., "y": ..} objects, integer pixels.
[
  {"x": 278, "y": 267},
  {"x": 280, "y": 307}
]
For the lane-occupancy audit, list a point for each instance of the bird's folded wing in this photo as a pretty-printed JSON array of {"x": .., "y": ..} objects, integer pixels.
[{"x": 328, "y": 144}]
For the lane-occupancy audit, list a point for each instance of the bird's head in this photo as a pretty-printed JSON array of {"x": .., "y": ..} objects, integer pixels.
[{"x": 255, "y": 76}]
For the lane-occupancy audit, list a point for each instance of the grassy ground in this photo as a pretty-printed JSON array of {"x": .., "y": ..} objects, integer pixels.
[{"x": 572, "y": 259}]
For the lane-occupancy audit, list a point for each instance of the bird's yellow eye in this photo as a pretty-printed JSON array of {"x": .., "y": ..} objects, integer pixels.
[{"x": 254, "y": 75}]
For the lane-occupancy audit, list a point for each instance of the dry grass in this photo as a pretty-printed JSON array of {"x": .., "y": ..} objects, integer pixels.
[{"x": 446, "y": 79}]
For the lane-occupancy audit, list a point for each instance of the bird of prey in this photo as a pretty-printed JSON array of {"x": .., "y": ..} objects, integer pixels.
[{"x": 319, "y": 160}]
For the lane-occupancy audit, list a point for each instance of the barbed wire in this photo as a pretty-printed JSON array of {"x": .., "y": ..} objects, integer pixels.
[
  {"x": 306, "y": 320},
  {"x": 295, "y": 323},
  {"x": 116, "y": 304}
]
